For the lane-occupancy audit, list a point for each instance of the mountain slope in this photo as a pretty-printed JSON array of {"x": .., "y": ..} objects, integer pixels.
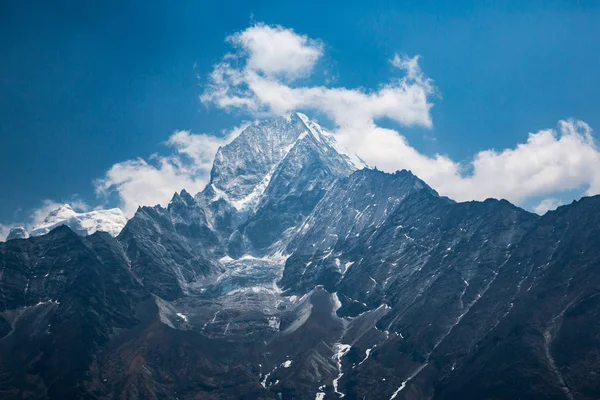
[
  {"x": 61, "y": 298},
  {"x": 299, "y": 274},
  {"x": 169, "y": 249}
]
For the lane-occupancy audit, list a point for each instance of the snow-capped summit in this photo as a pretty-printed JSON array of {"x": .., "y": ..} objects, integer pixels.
[
  {"x": 18, "y": 232},
  {"x": 85, "y": 223},
  {"x": 243, "y": 169}
]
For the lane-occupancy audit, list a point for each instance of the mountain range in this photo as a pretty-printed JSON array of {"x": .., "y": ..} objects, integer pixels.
[
  {"x": 83, "y": 223},
  {"x": 301, "y": 273}
]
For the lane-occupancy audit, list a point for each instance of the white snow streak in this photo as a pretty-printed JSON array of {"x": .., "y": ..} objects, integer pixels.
[{"x": 342, "y": 350}]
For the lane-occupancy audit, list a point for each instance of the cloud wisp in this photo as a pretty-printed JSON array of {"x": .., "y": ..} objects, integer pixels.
[
  {"x": 153, "y": 181},
  {"x": 547, "y": 205}
]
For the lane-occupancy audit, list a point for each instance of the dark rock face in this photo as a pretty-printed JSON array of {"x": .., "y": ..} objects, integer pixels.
[
  {"x": 544, "y": 340},
  {"x": 348, "y": 215},
  {"x": 62, "y": 296},
  {"x": 170, "y": 248},
  {"x": 297, "y": 275}
]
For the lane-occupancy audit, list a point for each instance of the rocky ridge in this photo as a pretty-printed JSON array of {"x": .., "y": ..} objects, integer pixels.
[{"x": 299, "y": 274}]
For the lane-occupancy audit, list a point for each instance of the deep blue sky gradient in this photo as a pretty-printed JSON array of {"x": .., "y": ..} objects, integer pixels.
[{"x": 84, "y": 85}]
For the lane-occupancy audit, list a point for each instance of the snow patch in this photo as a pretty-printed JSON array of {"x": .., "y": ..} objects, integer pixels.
[
  {"x": 274, "y": 323},
  {"x": 341, "y": 351},
  {"x": 252, "y": 199},
  {"x": 182, "y": 316},
  {"x": 346, "y": 267},
  {"x": 403, "y": 385},
  {"x": 367, "y": 354},
  {"x": 337, "y": 304}
]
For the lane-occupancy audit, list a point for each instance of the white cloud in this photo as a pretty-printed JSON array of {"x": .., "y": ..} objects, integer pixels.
[
  {"x": 408, "y": 64},
  {"x": 140, "y": 182},
  {"x": 549, "y": 162},
  {"x": 201, "y": 149},
  {"x": 256, "y": 80},
  {"x": 277, "y": 52},
  {"x": 547, "y": 205}
]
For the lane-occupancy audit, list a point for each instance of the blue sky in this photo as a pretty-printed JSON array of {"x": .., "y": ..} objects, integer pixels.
[{"x": 85, "y": 86}]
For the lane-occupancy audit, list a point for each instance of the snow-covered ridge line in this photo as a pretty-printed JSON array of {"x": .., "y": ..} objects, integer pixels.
[
  {"x": 82, "y": 223},
  {"x": 324, "y": 136}
]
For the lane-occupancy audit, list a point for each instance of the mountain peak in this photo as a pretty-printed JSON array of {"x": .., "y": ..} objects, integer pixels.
[
  {"x": 17, "y": 232},
  {"x": 61, "y": 212},
  {"x": 84, "y": 223},
  {"x": 182, "y": 197},
  {"x": 243, "y": 168}
]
